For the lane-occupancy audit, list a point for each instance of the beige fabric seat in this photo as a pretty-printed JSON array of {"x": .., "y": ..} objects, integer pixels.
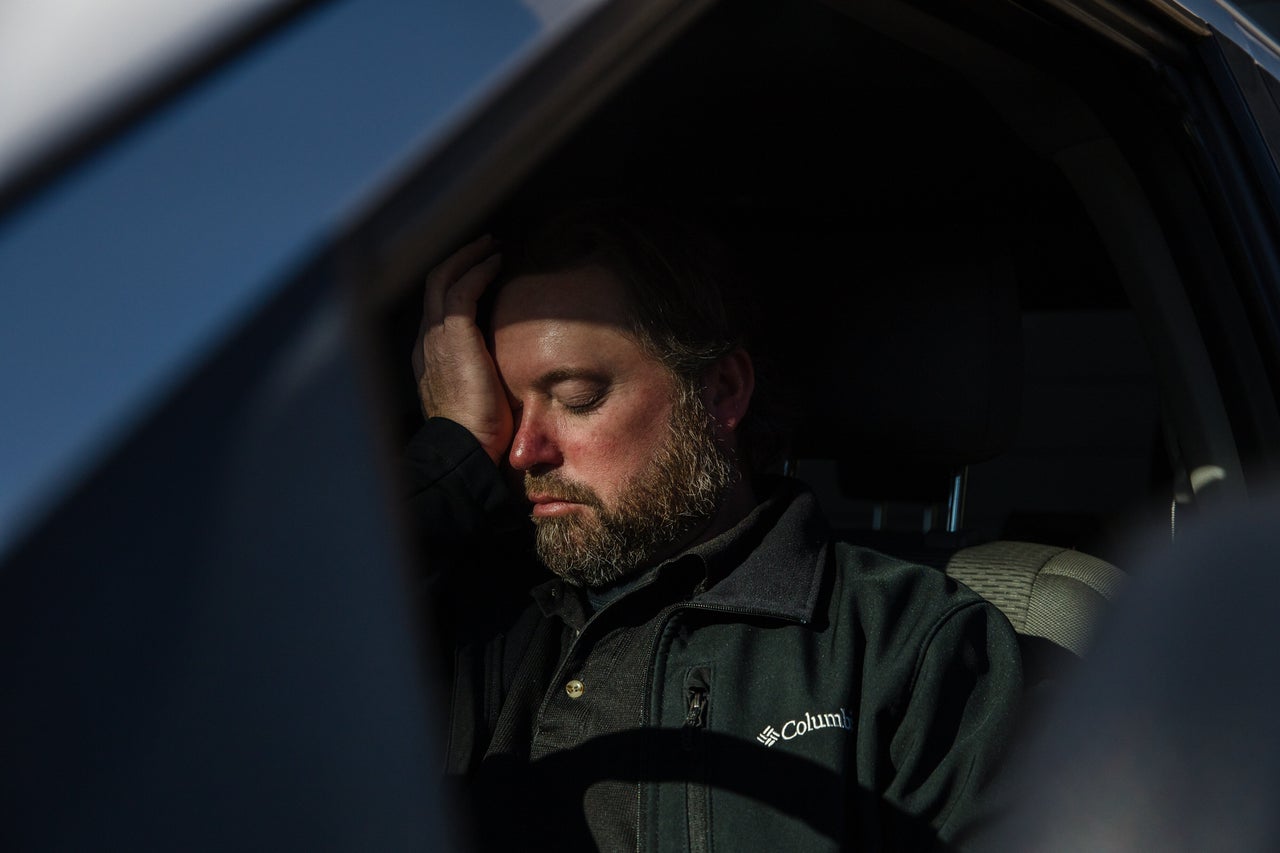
[
  {"x": 1054, "y": 597},
  {"x": 1047, "y": 591}
]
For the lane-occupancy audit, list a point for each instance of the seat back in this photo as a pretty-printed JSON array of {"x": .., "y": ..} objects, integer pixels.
[{"x": 926, "y": 353}]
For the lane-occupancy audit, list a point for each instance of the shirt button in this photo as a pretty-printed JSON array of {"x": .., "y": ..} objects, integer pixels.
[{"x": 575, "y": 689}]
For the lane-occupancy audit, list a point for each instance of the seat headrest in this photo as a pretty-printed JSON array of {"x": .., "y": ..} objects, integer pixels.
[{"x": 915, "y": 361}]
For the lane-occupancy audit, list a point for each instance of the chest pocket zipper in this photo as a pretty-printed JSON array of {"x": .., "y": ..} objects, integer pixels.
[{"x": 697, "y": 794}]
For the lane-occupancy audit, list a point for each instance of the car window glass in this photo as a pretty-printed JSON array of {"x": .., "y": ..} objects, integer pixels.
[{"x": 124, "y": 273}]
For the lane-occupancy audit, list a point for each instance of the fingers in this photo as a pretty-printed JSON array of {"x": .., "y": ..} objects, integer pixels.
[
  {"x": 460, "y": 278},
  {"x": 461, "y": 298},
  {"x": 457, "y": 378}
]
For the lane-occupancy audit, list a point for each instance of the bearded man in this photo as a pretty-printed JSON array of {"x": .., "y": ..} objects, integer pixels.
[{"x": 700, "y": 664}]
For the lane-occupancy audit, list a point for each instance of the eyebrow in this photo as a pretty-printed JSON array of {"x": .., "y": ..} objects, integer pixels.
[{"x": 569, "y": 374}]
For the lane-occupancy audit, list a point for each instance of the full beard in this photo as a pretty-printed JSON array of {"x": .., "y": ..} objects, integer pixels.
[{"x": 679, "y": 491}]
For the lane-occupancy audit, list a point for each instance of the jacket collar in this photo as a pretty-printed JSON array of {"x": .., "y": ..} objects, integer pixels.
[
  {"x": 768, "y": 564},
  {"x": 771, "y": 562}
]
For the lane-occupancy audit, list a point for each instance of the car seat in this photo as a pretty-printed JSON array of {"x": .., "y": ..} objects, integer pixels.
[{"x": 922, "y": 379}]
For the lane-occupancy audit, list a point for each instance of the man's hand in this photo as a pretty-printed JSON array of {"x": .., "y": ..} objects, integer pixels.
[{"x": 457, "y": 377}]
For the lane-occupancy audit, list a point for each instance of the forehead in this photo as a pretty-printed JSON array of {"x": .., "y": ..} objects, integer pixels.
[{"x": 589, "y": 295}]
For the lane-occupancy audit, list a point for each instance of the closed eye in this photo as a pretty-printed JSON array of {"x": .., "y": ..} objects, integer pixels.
[
  {"x": 578, "y": 392},
  {"x": 582, "y": 405}
]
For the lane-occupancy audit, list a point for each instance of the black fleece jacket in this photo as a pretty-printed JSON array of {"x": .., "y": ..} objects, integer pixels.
[{"x": 771, "y": 689}]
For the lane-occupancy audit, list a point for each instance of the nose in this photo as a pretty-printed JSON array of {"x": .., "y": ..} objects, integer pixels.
[{"x": 533, "y": 446}]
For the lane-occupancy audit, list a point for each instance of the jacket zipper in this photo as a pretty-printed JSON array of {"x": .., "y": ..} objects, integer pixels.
[
  {"x": 697, "y": 795},
  {"x": 670, "y": 613}
]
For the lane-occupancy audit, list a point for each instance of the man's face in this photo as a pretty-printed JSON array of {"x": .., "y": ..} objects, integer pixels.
[{"x": 620, "y": 463}]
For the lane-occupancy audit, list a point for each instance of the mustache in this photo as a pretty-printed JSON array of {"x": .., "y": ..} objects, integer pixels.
[{"x": 558, "y": 486}]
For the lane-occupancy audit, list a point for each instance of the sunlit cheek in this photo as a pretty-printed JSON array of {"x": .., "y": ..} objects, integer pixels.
[{"x": 608, "y": 455}]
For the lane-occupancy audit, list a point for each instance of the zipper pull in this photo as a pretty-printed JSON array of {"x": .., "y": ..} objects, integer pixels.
[
  {"x": 697, "y": 685},
  {"x": 697, "y": 708},
  {"x": 693, "y": 719}
]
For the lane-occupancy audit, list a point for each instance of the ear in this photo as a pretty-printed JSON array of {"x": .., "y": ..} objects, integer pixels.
[{"x": 729, "y": 384}]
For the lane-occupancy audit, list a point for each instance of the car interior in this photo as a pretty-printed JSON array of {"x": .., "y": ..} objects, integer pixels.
[
  {"x": 1013, "y": 340},
  {"x": 1013, "y": 259},
  {"x": 986, "y": 266}
]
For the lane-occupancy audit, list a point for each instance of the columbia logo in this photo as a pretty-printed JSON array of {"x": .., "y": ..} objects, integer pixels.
[
  {"x": 769, "y": 736},
  {"x": 811, "y": 722}
]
